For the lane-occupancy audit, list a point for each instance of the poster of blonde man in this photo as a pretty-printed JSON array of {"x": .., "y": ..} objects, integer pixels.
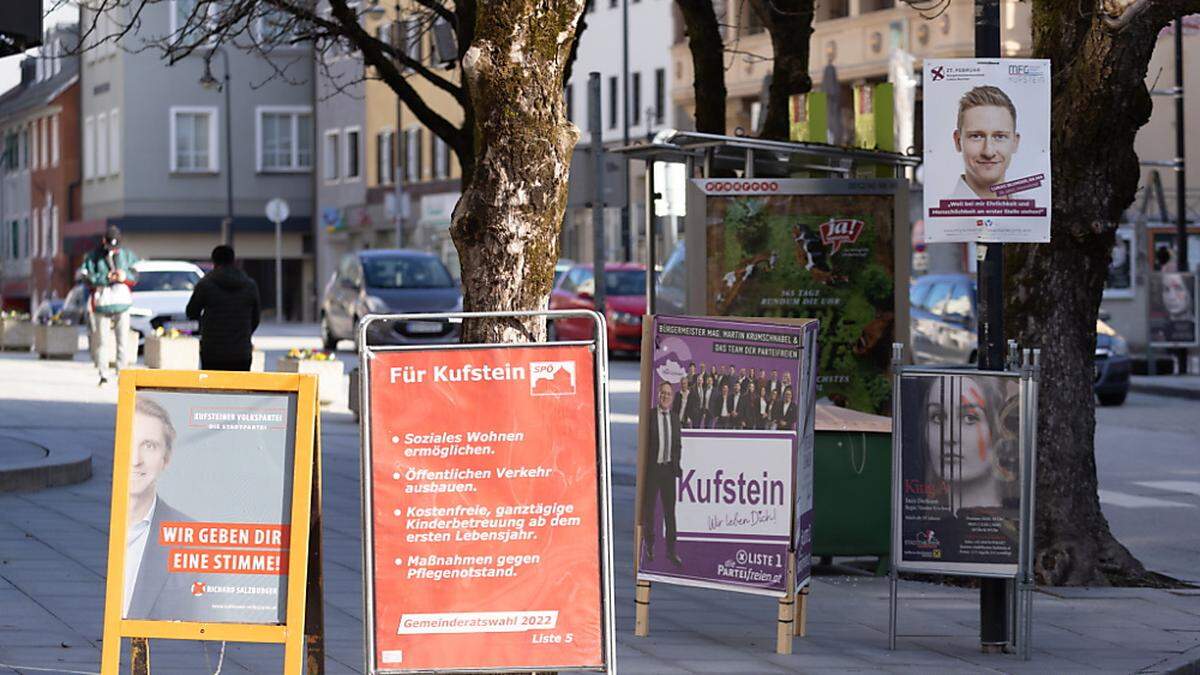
[{"x": 987, "y": 150}]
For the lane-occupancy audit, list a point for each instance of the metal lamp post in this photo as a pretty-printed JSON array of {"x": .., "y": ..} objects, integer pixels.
[{"x": 209, "y": 82}]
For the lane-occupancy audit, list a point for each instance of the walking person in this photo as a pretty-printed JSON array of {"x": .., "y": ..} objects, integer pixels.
[
  {"x": 109, "y": 274},
  {"x": 226, "y": 304}
]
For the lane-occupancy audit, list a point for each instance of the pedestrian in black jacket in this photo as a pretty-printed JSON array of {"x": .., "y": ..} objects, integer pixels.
[{"x": 225, "y": 302}]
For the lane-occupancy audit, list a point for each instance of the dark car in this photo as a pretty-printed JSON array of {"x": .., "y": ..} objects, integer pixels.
[
  {"x": 624, "y": 304},
  {"x": 390, "y": 281},
  {"x": 943, "y": 312}
]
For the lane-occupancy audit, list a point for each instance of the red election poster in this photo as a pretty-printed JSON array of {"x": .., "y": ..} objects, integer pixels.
[{"x": 484, "y": 509}]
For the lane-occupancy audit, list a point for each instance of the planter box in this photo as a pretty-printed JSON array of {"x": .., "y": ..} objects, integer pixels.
[
  {"x": 329, "y": 375},
  {"x": 181, "y": 353},
  {"x": 16, "y": 334},
  {"x": 258, "y": 362},
  {"x": 110, "y": 353},
  {"x": 56, "y": 342}
]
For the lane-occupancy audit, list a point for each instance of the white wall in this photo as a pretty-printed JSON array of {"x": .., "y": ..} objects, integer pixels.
[{"x": 651, "y": 29}]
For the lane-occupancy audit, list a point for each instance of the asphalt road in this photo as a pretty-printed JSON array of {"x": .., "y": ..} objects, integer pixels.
[{"x": 1148, "y": 461}]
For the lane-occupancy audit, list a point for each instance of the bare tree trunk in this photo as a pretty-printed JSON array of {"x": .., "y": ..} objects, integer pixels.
[
  {"x": 507, "y": 222},
  {"x": 708, "y": 63},
  {"x": 790, "y": 24},
  {"x": 1099, "y": 100}
]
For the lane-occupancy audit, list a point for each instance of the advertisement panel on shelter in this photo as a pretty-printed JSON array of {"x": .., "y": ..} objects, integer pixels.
[
  {"x": 1173, "y": 309},
  {"x": 721, "y": 446},
  {"x": 987, "y": 150},
  {"x": 776, "y": 249},
  {"x": 485, "y": 516},
  {"x": 960, "y": 472},
  {"x": 209, "y": 506}
]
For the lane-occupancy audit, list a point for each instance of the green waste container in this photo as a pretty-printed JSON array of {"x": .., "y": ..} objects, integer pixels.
[{"x": 852, "y": 469}]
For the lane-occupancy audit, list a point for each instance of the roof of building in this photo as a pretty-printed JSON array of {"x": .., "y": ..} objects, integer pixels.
[{"x": 27, "y": 96}]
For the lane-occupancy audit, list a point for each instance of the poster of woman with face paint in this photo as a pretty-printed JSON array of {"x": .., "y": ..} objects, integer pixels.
[{"x": 959, "y": 489}]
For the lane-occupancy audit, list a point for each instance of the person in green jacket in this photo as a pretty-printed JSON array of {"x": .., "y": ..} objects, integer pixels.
[{"x": 108, "y": 271}]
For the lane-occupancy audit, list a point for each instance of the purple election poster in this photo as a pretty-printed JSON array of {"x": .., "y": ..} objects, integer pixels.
[{"x": 721, "y": 453}]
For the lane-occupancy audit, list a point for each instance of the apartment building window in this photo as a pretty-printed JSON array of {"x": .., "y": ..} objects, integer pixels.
[
  {"x": 36, "y": 126},
  {"x": 101, "y": 145},
  {"x": 413, "y": 35},
  {"x": 353, "y": 163},
  {"x": 383, "y": 156},
  {"x": 89, "y": 148},
  {"x": 183, "y": 10},
  {"x": 660, "y": 94},
  {"x": 413, "y": 170},
  {"x": 612, "y": 103},
  {"x": 25, "y": 147},
  {"x": 635, "y": 95},
  {"x": 441, "y": 158},
  {"x": 114, "y": 142},
  {"x": 35, "y": 234},
  {"x": 331, "y": 159},
  {"x": 193, "y": 139},
  {"x": 54, "y": 230},
  {"x": 284, "y": 138},
  {"x": 569, "y": 101},
  {"x": 55, "y": 155}
]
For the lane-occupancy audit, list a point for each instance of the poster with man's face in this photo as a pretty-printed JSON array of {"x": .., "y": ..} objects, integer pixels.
[
  {"x": 987, "y": 150},
  {"x": 209, "y": 506},
  {"x": 1173, "y": 309},
  {"x": 960, "y": 471}
]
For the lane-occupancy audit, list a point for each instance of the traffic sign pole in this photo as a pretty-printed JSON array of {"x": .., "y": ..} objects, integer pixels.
[{"x": 277, "y": 212}]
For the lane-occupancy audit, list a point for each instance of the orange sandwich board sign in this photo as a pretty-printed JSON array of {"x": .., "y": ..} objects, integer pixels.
[
  {"x": 486, "y": 506},
  {"x": 215, "y": 514}
]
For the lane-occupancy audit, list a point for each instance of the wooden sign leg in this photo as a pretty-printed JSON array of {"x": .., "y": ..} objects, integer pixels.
[
  {"x": 314, "y": 605},
  {"x": 641, "y": 601},
  {"x": 786, "y": 621},
  {"x": 139, "y": 656},
  {"x": 802, "y": 611},
  {"x": 641, "y": 597}
]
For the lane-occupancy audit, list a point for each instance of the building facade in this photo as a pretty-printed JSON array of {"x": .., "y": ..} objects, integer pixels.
[
  {"x": 383, "y": 179},
  {"x": 39, "y": 173},
  {"x": 641, "y": 102},
  {"x": 155, "y": 158}
]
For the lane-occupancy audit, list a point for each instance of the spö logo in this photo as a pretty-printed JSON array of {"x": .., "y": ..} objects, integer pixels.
[
  {"x": 552, "y": 378},
  {"x": 197, "y": 588}
]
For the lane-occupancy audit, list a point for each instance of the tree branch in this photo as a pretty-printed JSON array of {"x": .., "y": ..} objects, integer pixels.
[{"x": 454, "y": 136}]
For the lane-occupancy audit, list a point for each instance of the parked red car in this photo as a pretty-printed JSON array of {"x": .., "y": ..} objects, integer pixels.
[{"x": 624, "y": 303}]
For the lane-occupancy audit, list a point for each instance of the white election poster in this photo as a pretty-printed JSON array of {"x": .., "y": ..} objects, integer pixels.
[{"x": 987, "y": 150}]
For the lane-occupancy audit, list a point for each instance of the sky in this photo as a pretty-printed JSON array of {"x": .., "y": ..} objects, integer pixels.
[{"x": 10, "y": 66}]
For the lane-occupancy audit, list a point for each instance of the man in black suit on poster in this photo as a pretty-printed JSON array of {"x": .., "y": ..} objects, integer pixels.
[
  {"x": 785, "y": 411},
  {"x": 662, "y": 468},
  {"x": 151, "y": 591},
  {"x": 687, "y": 405},
  {"x": 706, "y": 394}
]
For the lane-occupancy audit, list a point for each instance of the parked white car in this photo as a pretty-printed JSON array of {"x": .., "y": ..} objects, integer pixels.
[{"x": 161, "y": 295}]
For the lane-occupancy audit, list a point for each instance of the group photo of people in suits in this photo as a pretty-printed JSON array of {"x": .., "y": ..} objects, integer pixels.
[{"x": 721, "y": 396}]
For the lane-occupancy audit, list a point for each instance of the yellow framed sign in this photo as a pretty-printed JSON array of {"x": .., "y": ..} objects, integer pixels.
[{"x": 215, "y": 490}]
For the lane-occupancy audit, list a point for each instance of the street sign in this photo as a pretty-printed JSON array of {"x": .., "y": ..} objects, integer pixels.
[{"x": 277, "y": 212}]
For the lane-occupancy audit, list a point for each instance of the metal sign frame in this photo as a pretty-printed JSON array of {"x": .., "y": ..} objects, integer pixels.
[
  {"x": 1028, "y": 373},
  {"x": 599, "y": 348}
]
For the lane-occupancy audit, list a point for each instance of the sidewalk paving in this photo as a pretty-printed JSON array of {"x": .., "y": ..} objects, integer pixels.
[
  {"x": 53, "y": 552},
  {"x": 1179, "y": 386}
]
